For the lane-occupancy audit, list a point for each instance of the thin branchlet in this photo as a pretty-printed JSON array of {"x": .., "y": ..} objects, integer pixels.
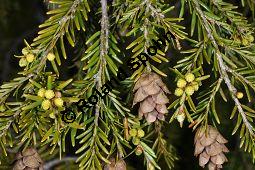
[{"x": 222, "y": 66}]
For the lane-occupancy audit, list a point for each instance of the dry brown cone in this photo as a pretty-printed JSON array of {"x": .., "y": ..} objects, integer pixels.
[
  {"x": 119, "y": 165},
  {"x": 150, "y": 93},
  {"x": 210, "y": 148},
  {"x": 29, "y": 159}
]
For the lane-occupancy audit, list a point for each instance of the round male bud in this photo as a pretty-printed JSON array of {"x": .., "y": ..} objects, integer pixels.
[
  {"x": 189, "y": 90},
  {"x": 133, "y": 132},
  {"x": 195, "y": 85},
  {"x": 189, "y": 77},
  {"x": 178, "y": 92},
  {"x": 30, "y": 57},
  {"x": 250, "y": 38},
  {"x": 46, "y": 104},
  {"x": 245, "y": 41},
  {"x": 140, "y": 133},
  {"x": 41, "y": 92},
  {"x": 58, "y": 102},
  {"x": 239, "y": 95},
  {"x": 181, "y": 83},
  {"x": 139, "y": 150},
  {"x": 51, "y": 56},
  {"x": 136, "y": 141},
  {"x": 23, "y": 62},
  {"x": 49, "y": 94},
  {"x": 25, "y": 51},
  {"x": 52, "y": 115}
]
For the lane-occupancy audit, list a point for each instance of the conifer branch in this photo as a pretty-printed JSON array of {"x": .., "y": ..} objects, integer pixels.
[
  {"x": 5, "y": 95},
  {"x": 206, "y": 104},
  {"x": 102, "y": 126},
  {"x": 44, "y": 50},
  {"x": 241, "y": 77},
  {"x": 7, "y": 126},
  {"x": 104, "y": 44},
  {"x": 103, "y": 51},
  {"x": 62, "y": 24},
  {"x": 99, "y": 81},
  {"x": 212, "y": 96},
  {"x": 222, "y": 66}
]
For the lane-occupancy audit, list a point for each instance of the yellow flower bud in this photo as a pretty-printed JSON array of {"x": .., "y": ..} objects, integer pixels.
[
  {"x": 51, "y": 56},
  {"x": 30, "y": 58},
  {"x": 133, "y": 132},
  {"x": 22, "y": 62},
  {"x": 52, "y": 115},
  {"x": 25, "y": 51},
  {"x": 140, "y": 133},
  {"x": 250, "y": 38},
  {"x": 58, "y": 102},
  {"x": 239, "y": 95},
  {"x": 245, "y": 42},
  {"x": 46, "y": 104},
  {"x": 181, "y": 83},
  {"x": 189, "y": 90},
  {"x": 49, "y": 94},
  {"x": 195, "y": 85},
  {"x": 41, "y": 92},
  {"x": 135, "y": 140},
  {"x": 189, "y": 77},
  {"x": 178, "y": 92}
]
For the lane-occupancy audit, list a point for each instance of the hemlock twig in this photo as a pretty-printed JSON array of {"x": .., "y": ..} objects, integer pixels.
[{"x": 223, "y": 68}]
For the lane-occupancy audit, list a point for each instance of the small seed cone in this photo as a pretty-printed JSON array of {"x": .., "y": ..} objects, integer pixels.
[
  {"x": 150, "y": 93},
  {"x": 29, "y": 159},
  {"x": 210, "y": 148}
]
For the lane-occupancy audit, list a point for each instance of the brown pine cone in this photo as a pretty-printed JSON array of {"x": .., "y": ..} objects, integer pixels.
[
  {"x": 210, "y": 148},
  {"x": 119, "y": 165},
  {"x": 29, "y": 159},
  {"x": 150, "y": 93}
]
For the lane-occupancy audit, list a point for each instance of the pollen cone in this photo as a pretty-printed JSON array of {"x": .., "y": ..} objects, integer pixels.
[
  {"x": 210, "y": 148},
  {"x": 29, "y": 159},
  {"x": 150, "y": 93}
]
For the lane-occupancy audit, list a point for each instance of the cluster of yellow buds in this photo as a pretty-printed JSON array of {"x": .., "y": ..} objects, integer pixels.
[
  {"x": 246, "y": 40},
  {"x": 188, "y": 85},
  {"x": 51, "y": 98},
  {"x": 28, "y": 57},
  {"x": 136, "y": 134}
]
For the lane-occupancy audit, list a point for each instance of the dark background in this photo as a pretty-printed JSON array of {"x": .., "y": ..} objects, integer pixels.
[{"x": 19, "y": 20}]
